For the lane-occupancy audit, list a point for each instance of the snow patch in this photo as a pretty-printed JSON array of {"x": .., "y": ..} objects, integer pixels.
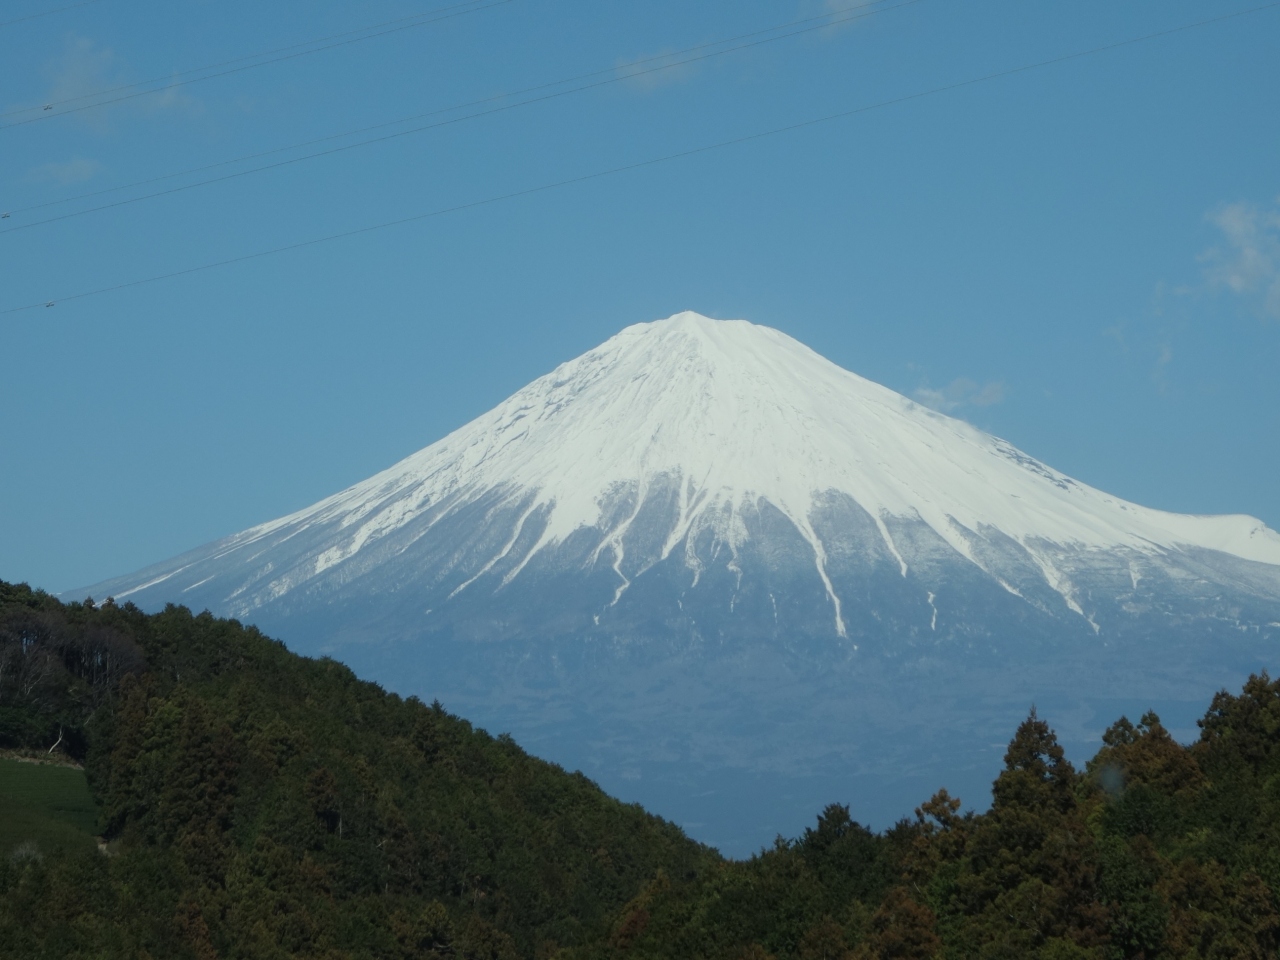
[
  {"x": 884, "y": 532},
  {"x": 498, "y": 557}
]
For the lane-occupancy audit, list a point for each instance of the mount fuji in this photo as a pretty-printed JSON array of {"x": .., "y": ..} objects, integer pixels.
[{"x": 731, "y": 579}]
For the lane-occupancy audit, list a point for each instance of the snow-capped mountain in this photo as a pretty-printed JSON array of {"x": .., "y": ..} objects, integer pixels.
[
  {"x": 685, "y": 446},
  {"x": 697, "y": 498}
]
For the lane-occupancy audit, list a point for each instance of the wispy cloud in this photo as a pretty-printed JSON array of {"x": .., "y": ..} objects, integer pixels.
[
  {"x": 71, "y": 171},
  {"x": 846, "y": 14},
  {"x": 1160, "y": 372},
  {"x": 655, "y": 70},
  {"x": 961, "y": 392},
  {"x": 845, "y": 6},
  {"x": 81, "y": 69},
  {"x": 85, "y": 68},
  {"x": 1157, "y": 343},
  {"x": 1247, "y": 261}
]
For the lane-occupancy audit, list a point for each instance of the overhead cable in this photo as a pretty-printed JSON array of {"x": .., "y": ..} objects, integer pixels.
[
  {"x": 170, "y": 81},
  {"x": 609, "y": 76},
  {"x": 45, "y": 13},
  {"x": 653, "y": 161}
]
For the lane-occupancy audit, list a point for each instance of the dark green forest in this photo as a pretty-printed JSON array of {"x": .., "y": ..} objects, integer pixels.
[{"x": 252, "y": 803}]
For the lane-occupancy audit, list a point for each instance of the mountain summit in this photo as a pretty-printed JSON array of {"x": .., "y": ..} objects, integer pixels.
[{"x": 697, "y": 500}]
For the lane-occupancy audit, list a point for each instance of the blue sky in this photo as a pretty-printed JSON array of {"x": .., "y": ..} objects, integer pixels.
[{"x": 1083, "y": 258}]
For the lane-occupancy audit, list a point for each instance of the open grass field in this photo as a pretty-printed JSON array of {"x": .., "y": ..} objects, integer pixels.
[{"x": 44, "y": 805}]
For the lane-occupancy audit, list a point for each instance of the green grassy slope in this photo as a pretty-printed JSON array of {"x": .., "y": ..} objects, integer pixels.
[{"x": 44, "y": 808}]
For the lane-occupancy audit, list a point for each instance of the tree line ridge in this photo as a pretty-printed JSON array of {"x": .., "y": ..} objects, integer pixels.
[{"x": 255, "y": 803}]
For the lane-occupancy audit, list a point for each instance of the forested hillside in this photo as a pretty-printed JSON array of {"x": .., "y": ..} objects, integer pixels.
[
  {"x": 258, "y": 804},
  {"x": 1153, "y": 851}
]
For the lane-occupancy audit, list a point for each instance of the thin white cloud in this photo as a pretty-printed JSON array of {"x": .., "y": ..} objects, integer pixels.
[
  {"x": 1247, "y": 261},
  {"x": 85, "y": 68},
  {"x": 846, "y": 13},
  {"x": 989, "y": 395},
  {"x": 844, "y": 6},
  {"x": 82, "y": 68},
  {"x": 1160, "y": 372},
  {"x": 961, "y": 392},
  {"x": 655, "y": 70},
  {"x": 71, "y": 171}
]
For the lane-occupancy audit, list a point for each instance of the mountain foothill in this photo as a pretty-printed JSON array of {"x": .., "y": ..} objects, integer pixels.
[{"x": 255, "y": 803}]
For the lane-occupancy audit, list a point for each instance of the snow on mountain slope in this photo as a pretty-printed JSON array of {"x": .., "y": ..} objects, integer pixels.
[
  {"x": 728, "y": 415},
  {"x": 733, "y": 581}
]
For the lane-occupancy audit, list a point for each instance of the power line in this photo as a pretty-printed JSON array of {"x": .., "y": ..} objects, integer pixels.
[
  {"x": 826, "y": 18},
  {"x": 612, "y": 75},
  {"x": 391, "y": 26},
  {"x": 45, "y": 13},
  {"x": 653, "y": 161}
]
